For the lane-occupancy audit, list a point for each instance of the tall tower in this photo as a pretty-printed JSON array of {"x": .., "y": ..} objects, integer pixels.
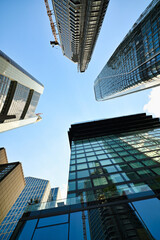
[
  {"x": 36, "y": 191},
  {"x": 79, "y": 24},
  {"x": 19, "y": 95},
  {"x": 135, "y": 64},
  {"x": 11, "y": 183}
]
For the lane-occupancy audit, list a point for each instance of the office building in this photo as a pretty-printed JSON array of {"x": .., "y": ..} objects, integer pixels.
[
  {"x": 135, "y": 64},
  {"x": 113, "y": 188},
  {"x": 11, "y": 183},
  {"x": 79, "y": 24},
  {"x": 19, "y": 95},
  {"x": 36, "y": 191}
]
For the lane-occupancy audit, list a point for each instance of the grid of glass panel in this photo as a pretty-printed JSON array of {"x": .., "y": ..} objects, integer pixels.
[
  {"x": 126, "y": 163},
  {"x": 136, "y": 60},
  {"x": 5, "y": 169},
  {"x": 34, "y": 189},
  {"x": 4, "y": 86}
]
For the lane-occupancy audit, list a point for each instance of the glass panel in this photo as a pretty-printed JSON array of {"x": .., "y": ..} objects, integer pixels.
[
  {"x": 117, "y": 160},
  {"x": 132, "y": 176},
  {"x": 149, "y": 162},
  {"x": 72, "y": 168},
  {"x": 129, "y": 158},
  {"x": 85, "y": 183},
  {"x": 53, "y": 220},
  {"x": 81, "y": 166},
  {"x": 156, "y": 170},
  {"x": 99, "y": 181},
  {"x": 93, "y": 158},
  {"x": 94, "y": 164},
  {"x": 123, "y": 167},
  {"x": 77, "y": 223},
  {"x": 57, "y": 232},
  {"x": 28, "y": 230},
  {"x": 81, "y": 174},
  {"x": 72, "y": 175},
  {"x": 105, "y": 162},
  {"x": 116, "y": 178},
  {"x": 72, "y": 186},
  {"x": 136, "y": 165},
  {"x": 110, "y": 169},
  {"x": 102, "y": 156},
  {"x": 81, "y": 160}
]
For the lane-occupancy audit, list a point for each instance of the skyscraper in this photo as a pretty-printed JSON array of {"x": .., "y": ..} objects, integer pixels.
[
  {"x": 135, "y": 64},
  {"x": 113, "y": 188},
  {"x": 19, "y": 95},
  {"x": 36, "y": 190},
  {"x": 79, "y": 24},
  {"x": 11, "y": 183}
]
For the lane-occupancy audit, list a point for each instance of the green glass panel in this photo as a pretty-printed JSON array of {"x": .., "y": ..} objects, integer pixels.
[
  {"x": 136, "y": 165},
  {"x": 72, "y": 168},
  {"x": 156, "y": 170},
  {"x": 116, "y": 178},
  {"x": 124, "y": 153},
  {"x": 132, "y": 176},
  {"x": 123, "y": 167},
  {"x": 129, "y": 158},
  {"x": 117, "y": 160},
  {"x": 99, "y": 181},
  {"x": 149, "y": 162}
]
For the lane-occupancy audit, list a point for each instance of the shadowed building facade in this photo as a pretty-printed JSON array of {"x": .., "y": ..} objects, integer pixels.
[
  {"x": 135, "y": 64},
  {"x": 19, "y": 95},
  {"x": 114, "y": 175},
  {"x": 79, "y": 24},
  {"x": 36, "y": 190},
  {"x": 11, "y": 183}
]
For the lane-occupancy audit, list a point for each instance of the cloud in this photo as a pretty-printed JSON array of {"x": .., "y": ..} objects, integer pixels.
[{"x": 153, "y": 106}]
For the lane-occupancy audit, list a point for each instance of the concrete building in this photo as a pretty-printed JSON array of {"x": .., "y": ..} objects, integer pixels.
[{"x": 11, "y": 183}]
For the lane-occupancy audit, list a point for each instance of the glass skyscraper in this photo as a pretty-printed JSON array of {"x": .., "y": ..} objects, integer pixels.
[
  {"x": 36, "y": 190},
  {"x": 113, "y": 187},
  {"x": 135, "y": 64},
  {"x": 19, "y": 95},
  {"x": 79, "y": 24}
]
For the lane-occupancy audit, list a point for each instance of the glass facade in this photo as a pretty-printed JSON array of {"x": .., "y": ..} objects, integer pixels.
[
  {"x": 79, "y": 23},
  {"x": 19, "y": 94},
  {"x": 135, "y": 64},
  {"x": 35, "y": 190}
]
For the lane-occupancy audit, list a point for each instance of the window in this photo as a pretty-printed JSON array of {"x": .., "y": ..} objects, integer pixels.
[
  {"x": 136, "y": 165},
  {"x": 105, "y": 162},
  {"x": 81, "y": 166},
  {"x": 72, "y": 175},
  {"x": 72, "y": 186},
  {"x": 93, "y": 164},
  {"x": 99, "y": 181},
  {"x": 81, "y": 160},
  {"x": 110, "y": 169},
  {"x": 85, "y": 183},
  {"x": 116, "y": 178},
  {"x": 81, "y": 174},
  {"x": 93, "y": 158}
]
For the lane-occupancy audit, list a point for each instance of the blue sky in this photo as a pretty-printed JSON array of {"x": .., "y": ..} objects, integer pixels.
[{"x": 43, "y": 148}]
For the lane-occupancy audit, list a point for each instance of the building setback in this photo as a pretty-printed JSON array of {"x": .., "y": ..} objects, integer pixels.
[
  {"x": 19, "y": 95},
  {"x": 79, "y": 24},
  {"x": 135, "y": 64},
  {"x": 11, "y": 183},
  {"x": 36, "y": 190},
  {"x": 113, "y": 187}
]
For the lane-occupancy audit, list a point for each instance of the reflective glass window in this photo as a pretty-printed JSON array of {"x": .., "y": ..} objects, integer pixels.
[
  {"x": 72, "y": 186},
  {"x": 72, "y": 168},
  {"x": 102, "y": 156},
  {"x": 117, "y": 160},
  {"x": 81, "y": 160},
  {"x": 123, "y": 167},
  {"x": 60, "y": 232},
  {"x": 81, "y": 174},
  {"x": 81, "y": 166},
  {"x": 129, "y": 158},
  {"x": 99, "y": 181},
  {"x": 106, "y": 162},
  {"x": 136, "y": 165},
  {"x": 149, "y": 162},
  {"x": 53, "y": 220},
  {"x": 93, "y": 158},
  {"x": 28, "y": 230},
  {"x": 116, "y": 178},
  {"x": 156, "y": 170},
  {"x": 110, "y": 169},
  {"x": 85, "y": 183},
  {"x": 72, "y": 175},
  {"x": 93, "y": 164}
]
